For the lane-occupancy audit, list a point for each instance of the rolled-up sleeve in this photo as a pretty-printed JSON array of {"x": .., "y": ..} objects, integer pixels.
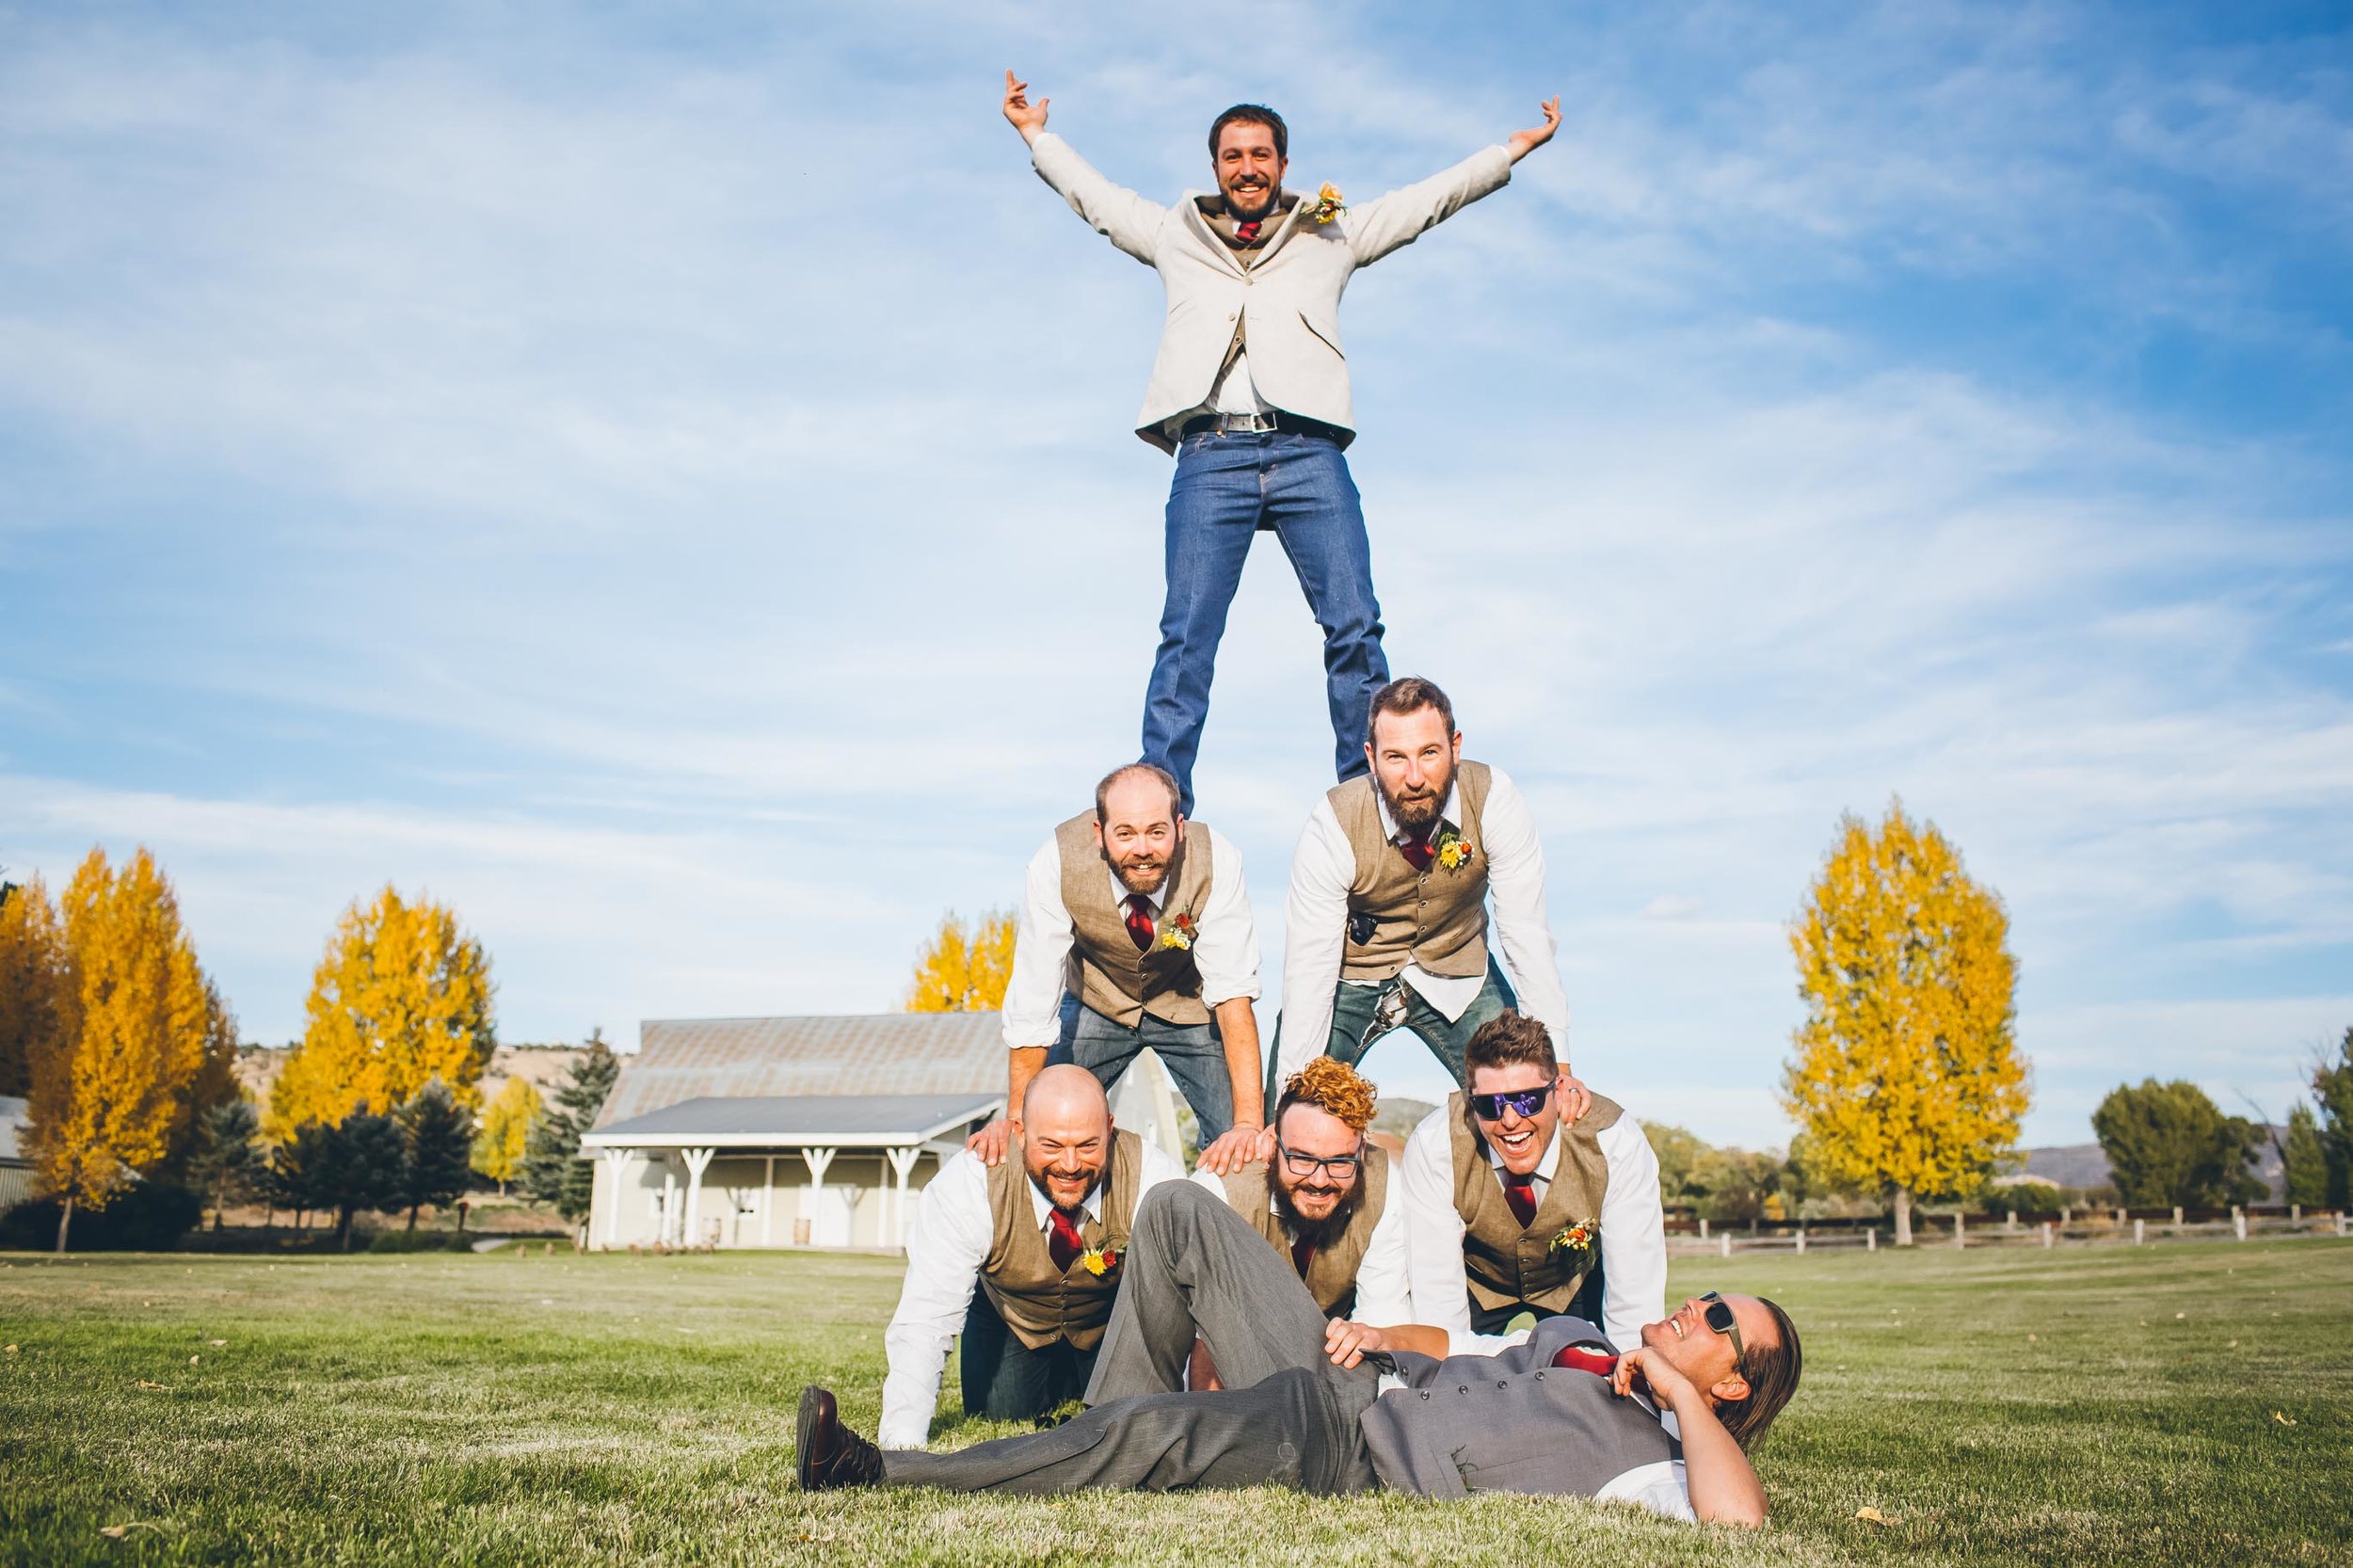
[
  {"x": 1227, "y": 952},
  {"x": 1040, "y": 956},
  {"x": 1633, "y": 1235}
]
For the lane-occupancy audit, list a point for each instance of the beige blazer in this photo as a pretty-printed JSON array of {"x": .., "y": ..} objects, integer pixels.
[{"x": 1288, "y": 300}]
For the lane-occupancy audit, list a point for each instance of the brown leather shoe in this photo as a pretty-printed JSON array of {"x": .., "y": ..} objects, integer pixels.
[{"x": 829, "y": 1454}]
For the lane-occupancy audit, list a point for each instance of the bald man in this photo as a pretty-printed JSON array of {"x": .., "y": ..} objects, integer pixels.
[{"x": 1023, "y": 1258}]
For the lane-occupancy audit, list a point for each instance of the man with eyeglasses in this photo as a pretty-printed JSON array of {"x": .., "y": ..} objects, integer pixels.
[
  {"x": 1324, "y": 1202},
  {"x": 1666, "y": 1424},
  {"x": 1514, "y": 1206},
  {"x": 1387, "y": 926}
]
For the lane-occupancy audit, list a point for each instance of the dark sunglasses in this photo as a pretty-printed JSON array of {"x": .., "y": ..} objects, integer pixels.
[
  {"x": 1719, "y": 1318},
  {"x": 1341, "y": 1166},
  {"x": 1489, "y": 1108}
]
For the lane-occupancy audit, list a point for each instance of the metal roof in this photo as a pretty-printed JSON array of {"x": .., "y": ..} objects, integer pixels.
[
  {"x": 14, "y": 1115},
  {"x": 887, "y": 1055},
  {"x": 795, "y": 1121}
]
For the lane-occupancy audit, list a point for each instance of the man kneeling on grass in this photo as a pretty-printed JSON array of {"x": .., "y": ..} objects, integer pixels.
[{"x": 1337, "y": 1407}]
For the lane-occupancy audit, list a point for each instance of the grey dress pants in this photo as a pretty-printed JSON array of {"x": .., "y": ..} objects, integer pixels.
[{"x": 1286, "y": 1415}]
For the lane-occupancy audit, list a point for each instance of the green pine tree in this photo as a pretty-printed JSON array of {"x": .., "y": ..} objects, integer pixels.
[
  {"x": 2332, "y": 1086},
  {"x": 437, "y": 1148},
  {"x": 2307, "y": 1158},
  {"x": 553, "y": 1173},
  {"x": 361, "y": 1162},
  {"x": 226, "y": 1164}
]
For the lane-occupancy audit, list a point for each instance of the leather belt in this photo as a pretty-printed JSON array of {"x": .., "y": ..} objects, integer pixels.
[{"x": 1296, "y": 425}]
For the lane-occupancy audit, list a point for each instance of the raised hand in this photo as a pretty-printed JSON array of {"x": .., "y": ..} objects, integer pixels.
[
  {"x": 990, "y": 1141},
  {"x": 1238, "y": 1146},
  {"x": 1030, "y": 119},
  {"x": 1521, "y": 143}
]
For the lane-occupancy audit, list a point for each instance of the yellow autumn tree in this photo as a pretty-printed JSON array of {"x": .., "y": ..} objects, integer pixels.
[
  {"x": 401, "y": 997},
  {"x": 504, "y": 1130},
  {"x": 964, "y": 969},
  {"x": 111, "y": 1090},
  {"x": 32, "y": 980},
  {"x": 1907, "y": 1077}
]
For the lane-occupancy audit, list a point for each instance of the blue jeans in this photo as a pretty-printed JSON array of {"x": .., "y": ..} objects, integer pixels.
[
  {"x": 1193, "y": 1054},
  {"x": 1227, "y": 488},
  {"x": 1358, "y": 1024}
]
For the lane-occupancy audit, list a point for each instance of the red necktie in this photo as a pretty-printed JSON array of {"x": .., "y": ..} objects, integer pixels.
[
  {"x": 1416, "y": 850},
  {"x": 1064, "y": 1244},
  {"x": 1587, "y": 1358},
  {"x": 1302, "y": 1254},
  {"x": 1140, "y": 920},
  {"x": 1248, "y": 231},
  {"x": 1520, "y": 1193}
]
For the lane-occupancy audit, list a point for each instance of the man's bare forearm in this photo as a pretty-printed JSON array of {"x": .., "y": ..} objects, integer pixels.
[
  {"x": 1238, "y": 1027},
  {"x": 1725, "y": 1488},
  {"x": 1022, "y": 1063}
]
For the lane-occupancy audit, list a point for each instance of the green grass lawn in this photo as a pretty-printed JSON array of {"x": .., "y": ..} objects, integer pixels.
[{"x": 2171, "y": 1404}]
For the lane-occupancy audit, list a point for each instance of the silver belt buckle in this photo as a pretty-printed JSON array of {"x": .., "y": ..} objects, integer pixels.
[{"x": 1247, "y": 423}]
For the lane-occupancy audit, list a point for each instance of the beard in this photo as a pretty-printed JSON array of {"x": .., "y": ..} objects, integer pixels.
[
  {"x": 1266, "y": 197},
  {"x": 1419, "y": 815},
  {"x": 1037, "y": 1179},
  {"x": 1136, "y": 881},
  {"x": 1318, "y": 1231}
]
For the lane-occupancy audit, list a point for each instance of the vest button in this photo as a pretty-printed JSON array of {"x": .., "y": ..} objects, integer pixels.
[
  {"x": 1502, "y": 1383},
  {"x": 1465, "y": 1389},
  {"x": 1425, "y": 1394}
]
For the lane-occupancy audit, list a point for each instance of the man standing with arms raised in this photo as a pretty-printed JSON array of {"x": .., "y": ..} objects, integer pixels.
[
  {"x": 1023, "y": 1259},
  {"x": 1251, "y": 392},
  {"x": 1387, "y": 926},
  {"x": 1135, "y": 932}
]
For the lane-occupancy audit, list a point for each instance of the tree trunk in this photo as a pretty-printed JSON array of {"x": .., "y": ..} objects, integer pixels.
[
  {"x": 1903, "y": 1216},
  {"x": 412, "y": 1217},
  {"x": 343, "y": 1229},
  {"x": 65, "y": 1220}
]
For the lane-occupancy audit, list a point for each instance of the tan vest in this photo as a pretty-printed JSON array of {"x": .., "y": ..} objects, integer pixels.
[
  {"x": 1506, "y": 1263},
  {"x": 1113, "y": 978},
  {"x": 1331, "y": 1272},
  {"x": 1436, "y": 917},
  {"x": 1039, "y": 1303}
]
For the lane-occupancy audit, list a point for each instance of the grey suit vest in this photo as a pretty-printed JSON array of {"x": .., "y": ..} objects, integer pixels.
[{"x": 1510, "y": 1423}]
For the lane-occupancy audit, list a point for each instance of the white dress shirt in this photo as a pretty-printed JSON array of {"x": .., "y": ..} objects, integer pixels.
[
  {"x": 1633, "y": 1234},
  {"x": 1315, "y": 929},
  {"x": 1384, "y": 1296},
  {"x": 946, "y": 1247},
  {"x": 1224, "y": 946}
]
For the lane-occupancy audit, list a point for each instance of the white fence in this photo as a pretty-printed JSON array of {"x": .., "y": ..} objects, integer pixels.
[{"x": 2106, "y": 1228}]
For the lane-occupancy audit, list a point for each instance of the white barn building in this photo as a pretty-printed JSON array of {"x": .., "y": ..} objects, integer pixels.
[{"x": 803, "y": 1133}]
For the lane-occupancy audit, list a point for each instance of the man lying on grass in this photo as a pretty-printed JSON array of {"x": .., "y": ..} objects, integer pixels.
[{"x": 1340, "y": 1407}]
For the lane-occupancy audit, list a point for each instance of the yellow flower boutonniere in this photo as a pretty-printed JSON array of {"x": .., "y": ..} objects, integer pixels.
[
  {"x": 1577, "y": 1240},
  {"x": 1177, "y": 932},
  {"x": 1099, "y": 1260},
  {"x": 1329, "y": 203},
  {"x": 1454, "y": 850}
]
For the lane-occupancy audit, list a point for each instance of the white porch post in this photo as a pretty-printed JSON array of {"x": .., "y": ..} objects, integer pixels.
[
  {"x": 617, "y": 1163},
  {"x": 669, "y": 1204},
  {"x": 768, "y": 1204},
  {"x": 901, "y": 1165},
  {"x": 816, "y": 1159},
  {"x": 697, "y": 1161}
]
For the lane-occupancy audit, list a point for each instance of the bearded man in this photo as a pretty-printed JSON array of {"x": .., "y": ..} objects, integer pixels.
[
  {"x": 1251, "y": 392},
  {"x": 1324, "y": 1202},
  {"x": 1024, "y": 1258},
  {"x": 1135, "y": 930},
  {"x": 1388, "y": 924}
]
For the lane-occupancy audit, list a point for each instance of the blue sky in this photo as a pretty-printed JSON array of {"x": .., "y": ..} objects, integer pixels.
[{"x": 658, "y": 478}]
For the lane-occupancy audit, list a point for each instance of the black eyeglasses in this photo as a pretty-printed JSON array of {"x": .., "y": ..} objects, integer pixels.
[
  {"x": 1719, "y": 1318},
  {"x": 1342, "y": 1167},
  {"x": 1489, "y": 1108}
]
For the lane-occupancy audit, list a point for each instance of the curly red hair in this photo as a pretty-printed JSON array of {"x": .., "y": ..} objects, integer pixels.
[{"x": 1333, "y": 1087}]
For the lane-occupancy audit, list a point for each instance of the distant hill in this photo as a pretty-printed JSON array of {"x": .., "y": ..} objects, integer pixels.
[
  {"x": 2086, "y": 1164},
  {"x": 258, "y": 1068}
]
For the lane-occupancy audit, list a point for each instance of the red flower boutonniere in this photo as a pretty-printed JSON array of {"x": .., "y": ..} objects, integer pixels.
[
  {"x": 1099, "y": 1260},
  {"x": 1577, "y": 1240},
  {"x": 1454, "y": 851},
  {"x": 1178, "y": 932}
]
